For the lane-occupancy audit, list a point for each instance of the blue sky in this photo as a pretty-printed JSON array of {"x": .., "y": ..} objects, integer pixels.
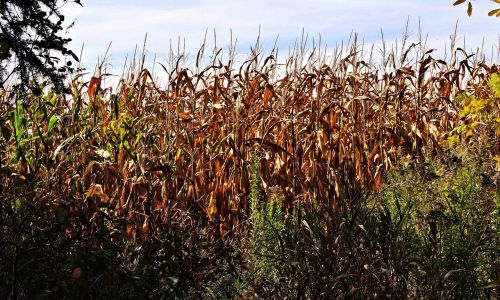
[{"x": 125, "y": 23}]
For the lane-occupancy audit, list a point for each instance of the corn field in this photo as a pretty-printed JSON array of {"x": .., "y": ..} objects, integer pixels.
[
  {"x": 321, "y": 129},
  {"x": 322, "y": 125}
]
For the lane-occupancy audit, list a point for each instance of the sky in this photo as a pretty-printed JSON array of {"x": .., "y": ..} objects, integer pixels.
[{"x": 124, "y": 24}]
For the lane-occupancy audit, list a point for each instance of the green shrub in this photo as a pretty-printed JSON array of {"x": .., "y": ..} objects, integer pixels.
[
  {"x": 447, "y": 223},
  {"x": 430, "y": 233},
  {"x": 267, "y": 226}
]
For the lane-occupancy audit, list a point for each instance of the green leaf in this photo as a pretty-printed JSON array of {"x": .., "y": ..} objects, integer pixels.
[
  {"x": 27, "y": 140},
  {"x": 19, "y": 121},
  {"x": 137, "y": 139},
  {"x": 18, "y": 205},
  {"x": 52, "y": 123},
  {"x": 494, "y": 84}
]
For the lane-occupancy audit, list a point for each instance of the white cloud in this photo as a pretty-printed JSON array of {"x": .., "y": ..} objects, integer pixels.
[{"x": 124, "y": 23}]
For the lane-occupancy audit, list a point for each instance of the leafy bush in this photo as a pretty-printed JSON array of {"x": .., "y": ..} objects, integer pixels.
[
  {"x": 267, "y": 226},
  {"x": 431, "y": 233}
]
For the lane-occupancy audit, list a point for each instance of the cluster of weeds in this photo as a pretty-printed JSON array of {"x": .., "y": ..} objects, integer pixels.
[{"x": 432, "y": 232}]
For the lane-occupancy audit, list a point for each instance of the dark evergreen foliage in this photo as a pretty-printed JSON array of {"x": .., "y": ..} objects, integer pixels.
[{"x": 31, "y": 41}]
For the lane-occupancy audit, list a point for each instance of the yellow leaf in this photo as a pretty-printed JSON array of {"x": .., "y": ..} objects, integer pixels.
[
  {"x": 469, "y": 132},
  {"x": 454, "y": 139},
  {"x": 178, "y": 154},
  {"x": 212, "y": 207}
]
